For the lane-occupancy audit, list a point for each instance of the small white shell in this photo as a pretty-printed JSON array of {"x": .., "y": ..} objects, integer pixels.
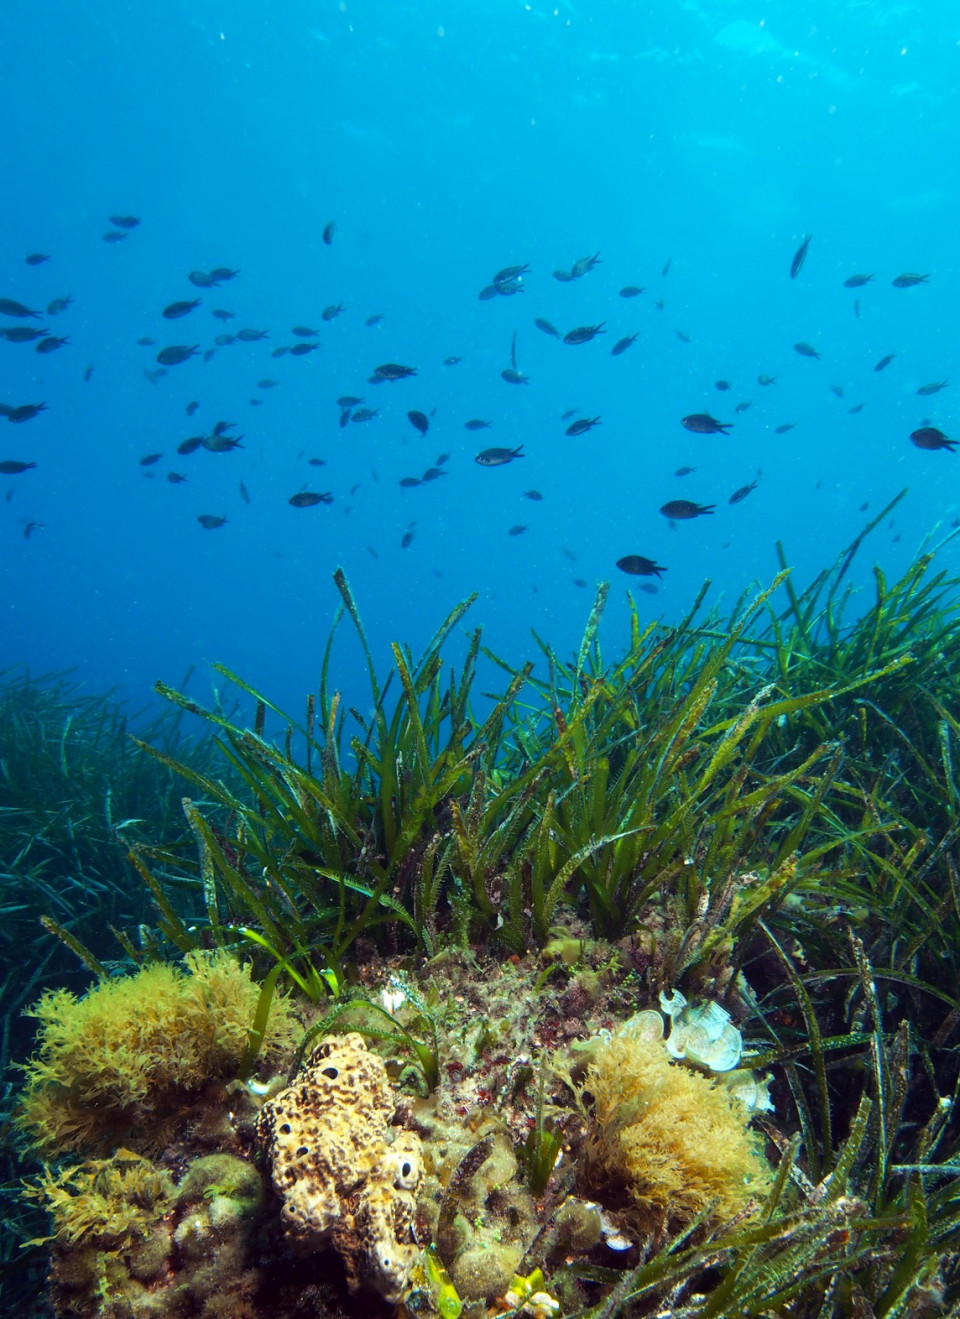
[
  {"x": 752, "y": 1091},
  {"x": 703, "y": 1034},
  {"x": 645, "y": 1026}
]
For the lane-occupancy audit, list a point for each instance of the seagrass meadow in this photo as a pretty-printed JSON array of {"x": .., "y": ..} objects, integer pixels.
[{"x": 478, "y": 924}]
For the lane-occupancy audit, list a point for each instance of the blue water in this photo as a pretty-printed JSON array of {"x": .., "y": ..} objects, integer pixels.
[{"x": 446, "y": 141}]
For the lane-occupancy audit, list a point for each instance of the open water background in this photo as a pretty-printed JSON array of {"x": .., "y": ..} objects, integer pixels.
[{"x": 446, "y": 141}]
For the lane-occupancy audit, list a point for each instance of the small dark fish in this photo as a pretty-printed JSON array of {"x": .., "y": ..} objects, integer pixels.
[
  {"x": 301, "y": 349},
  {"x": 26, "y": 412},
  {"x": 222, "y": 427},
  {"x": 145, "y": 341},
  {"x": 856, "y": 309},
  {"x": 488, "y": 292},
  {"x": 787, "y": 426},
  {"x": 30, "y": 528},
  {"x": 476, "y": 424},
  {"x": 58, "y": 305},
  {"x": 442, "y": 458},
  {"x": 684, "y": 471},
  {"x": 648, "y": 588},
  {"x": 510, "y": 274},
  {"x": 244, "y": 493},
  {"x": 209, "y": 522},
  {"x": 858, "y": 408},
  {"x": 452, "y": 361},
  {"x": 10, "y": 307},
  {"x": 87, "y": 374},
  {"x": 316, "y": 462},
  {"x": 309, "y": 498},
  {"x": 175, "y": 478},
  {"x": 406, "y": 539},
  {"x": 51, "y": 344},
  {"x": 638, "y": 565},
  {"x": 546, "y": 327},
  {"x": 124, "y": 221},
  {"x": 584, "y": 333},
  {"x": 535, "y": 495},
  {"x": 433, "y": 473},
  {"x": 838, "y": 390},
  {"x": 408, "y": 482},
  {"x": 37, "y": 258},
  {"x": 251, "y": 336},
  {"x": 112, "y": 236},
  {"x": 799, "y": 257},
  {"x": 176, "y": 354},
  {"x": 224, "y": 316},
  {"x": 266, "y": 383},
  {"x": 10, "y": 467},
  {"x": 221, "y": 443},
  {"x": 742, "y": 493},
  {"x": 684, "y": 338},
  {"x": 857, "y": 281},
  {"x": 742, "y": 407},
  {"x": 222, "y": 274},
  {"x": 909, "y": 281},
  {"x": 722, "y": 385},
  {"x": 518, "y": 529},
  {"x": 578, "y": 581},
  {"x": 199, "y": 279},
  {"x": 498, "y": 457},
  {"x": 149, "y": 459},
  {"x": 304, "y": 332},
  {"x": 375, "y": 319},
  {"x": 766, "y": 380},
  {"x": 884, "y": 362},
  {"x": 933, "y": 388},
  {"x": 563, "y": 276},
  {"x": 631, "y": 291},
  {"x": 568, "y": 553},
  {"x": 582, "y": 425},
  {"x": 864, "y": 506},
  {"x": 585, "y": 264},
  {"x": 348, "y": 401},
  {"x": 701, "y": 423},
  {"x": 329, "y": 229},
  {"x": 929, "y": 437},
  {"x": 419, "y": 421},
  {"x": 21, "y": 334},
  {"x": 570, "y": 412},
  {"x": 365, "y": 414},
  {"x": 191, "y": 408},
  {"x": 681, "y": 509},
  {"x": 806, "y": 350},
  {"x": 394, "y": 371},
  {"x": 666, "y": 269},
  {"x": 332, "y": 312},
  {"x": 622, "y": 345},
  {"x": 514, "y": 377},
  {"x": 177, "y": 309}
]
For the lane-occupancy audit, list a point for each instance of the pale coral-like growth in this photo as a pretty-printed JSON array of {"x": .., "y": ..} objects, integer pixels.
[
  {"x": 115, "y": 1065},
  {"x": 674, "y": 1140},
  {"x": 342, "y": 1179}
]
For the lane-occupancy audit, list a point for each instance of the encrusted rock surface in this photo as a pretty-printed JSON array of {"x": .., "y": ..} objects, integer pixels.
[{"x": 345, "y": 1177}]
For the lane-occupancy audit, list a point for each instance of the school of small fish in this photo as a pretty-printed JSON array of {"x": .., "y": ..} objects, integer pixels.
[{"x": 19, "y": 327}]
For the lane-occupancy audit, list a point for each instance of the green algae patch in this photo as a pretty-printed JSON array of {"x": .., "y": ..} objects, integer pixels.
[{"x": 123, "y": 1062}]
